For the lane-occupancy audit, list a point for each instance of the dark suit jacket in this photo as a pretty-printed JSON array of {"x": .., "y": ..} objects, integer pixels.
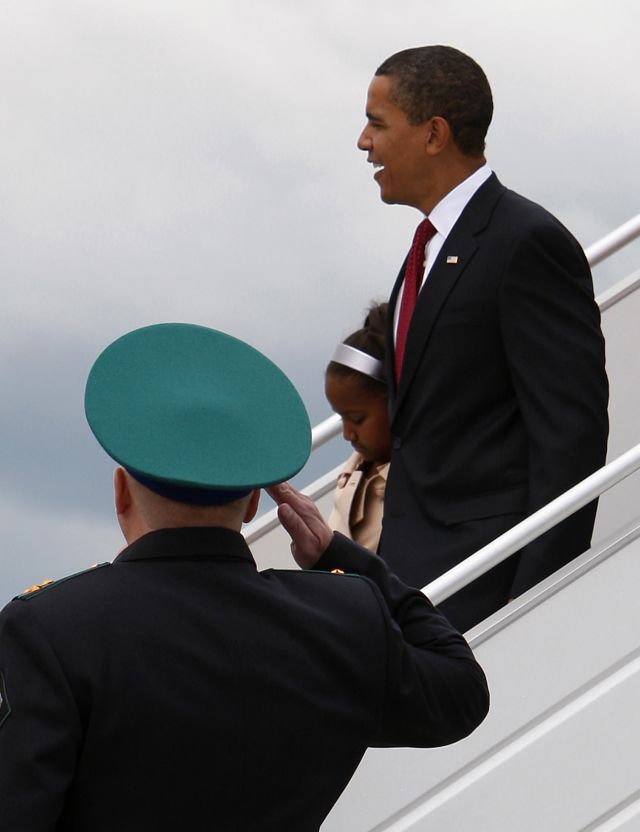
[
  {"x": 502, "y": 403},
  {"x": 180, "y": 688}
]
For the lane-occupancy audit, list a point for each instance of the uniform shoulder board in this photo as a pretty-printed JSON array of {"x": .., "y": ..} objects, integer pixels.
[
  {"x": 333, "y": 572},
  {"x": 36, "y": 589}
]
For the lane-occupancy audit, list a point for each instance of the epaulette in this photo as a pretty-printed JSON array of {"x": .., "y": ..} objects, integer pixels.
[
  {"x": 334, "y": 572},
  {"x": 36, "y": 589}
]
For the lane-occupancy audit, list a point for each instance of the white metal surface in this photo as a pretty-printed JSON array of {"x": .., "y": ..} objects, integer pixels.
[
  {"x": 561, "y": 745},
  {"x": 622, "y": 818}
]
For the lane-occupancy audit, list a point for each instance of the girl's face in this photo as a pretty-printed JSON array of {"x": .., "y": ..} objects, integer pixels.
[{"x": 365, "y": 418}]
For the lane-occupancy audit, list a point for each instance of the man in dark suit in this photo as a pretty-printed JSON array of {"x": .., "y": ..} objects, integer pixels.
[
  {"x": 497, "y": 381},
  {"x": 180, "y": 688}
]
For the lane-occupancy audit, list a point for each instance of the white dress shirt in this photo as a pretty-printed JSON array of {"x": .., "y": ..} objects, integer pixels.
[{"x": 443, "y": 217}]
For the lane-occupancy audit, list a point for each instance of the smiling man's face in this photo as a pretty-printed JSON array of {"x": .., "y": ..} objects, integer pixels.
[{"x": 396, "y": 148}]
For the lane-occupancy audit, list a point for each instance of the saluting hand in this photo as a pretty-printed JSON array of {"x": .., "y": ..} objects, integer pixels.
[{"x": 302, "y": 521}]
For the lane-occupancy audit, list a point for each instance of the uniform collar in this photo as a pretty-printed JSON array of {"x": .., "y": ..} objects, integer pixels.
[{"x": 194, "y": 542}]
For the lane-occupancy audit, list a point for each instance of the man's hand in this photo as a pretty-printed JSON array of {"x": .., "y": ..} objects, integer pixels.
[{"x": 302, "y": 521}]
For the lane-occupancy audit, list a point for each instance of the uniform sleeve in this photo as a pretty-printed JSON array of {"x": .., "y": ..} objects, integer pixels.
[
  {"x": 555, "y": 350},
  {"x": 41, "y": 733},
  {"x": 436, "y": 692}
]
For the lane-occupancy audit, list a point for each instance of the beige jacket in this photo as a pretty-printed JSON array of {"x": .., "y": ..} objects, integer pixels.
[{"x": 358, "y": 502}]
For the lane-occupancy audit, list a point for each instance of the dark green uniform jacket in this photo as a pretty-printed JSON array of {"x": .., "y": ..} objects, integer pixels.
[{"x": 180, "y": 688}]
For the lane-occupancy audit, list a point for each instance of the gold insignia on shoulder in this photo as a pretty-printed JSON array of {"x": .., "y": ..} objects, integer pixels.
[
  {"x": 37, "y": 587},
  {"x": 337, "y": 571},
  {"x": 32, "y": 591}
]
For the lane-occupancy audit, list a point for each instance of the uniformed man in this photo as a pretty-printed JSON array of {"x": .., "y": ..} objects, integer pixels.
[{"x": 178, "y": 687}]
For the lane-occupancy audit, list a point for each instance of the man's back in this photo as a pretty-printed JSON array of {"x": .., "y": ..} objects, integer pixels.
[{"x": 181, "y": 686}]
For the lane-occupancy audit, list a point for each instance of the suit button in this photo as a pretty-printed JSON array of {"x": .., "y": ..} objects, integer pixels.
[{"x": 397, "y": 443}]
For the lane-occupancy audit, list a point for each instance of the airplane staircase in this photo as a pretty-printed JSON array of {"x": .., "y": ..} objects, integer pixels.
[{"x": 560, "y": 749}]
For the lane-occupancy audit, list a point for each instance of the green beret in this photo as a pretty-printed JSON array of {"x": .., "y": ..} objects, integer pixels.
[{"x": 187, "y": 406}]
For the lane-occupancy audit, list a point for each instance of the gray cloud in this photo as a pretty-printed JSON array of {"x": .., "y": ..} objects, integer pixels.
[{"x": 197, "y": 161}]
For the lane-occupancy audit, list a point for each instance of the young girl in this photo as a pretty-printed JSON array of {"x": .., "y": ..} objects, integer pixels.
[{"x": 356, "y": 388}]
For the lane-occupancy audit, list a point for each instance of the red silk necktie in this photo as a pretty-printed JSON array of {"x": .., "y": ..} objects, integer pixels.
[{"x": 412, "y": 279}]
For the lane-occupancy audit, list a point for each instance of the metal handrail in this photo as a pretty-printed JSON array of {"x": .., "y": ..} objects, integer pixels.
[
  {"x": 595, "y": 253},
  {"x": 614, "y": 241},
  {"x": 533, "y": 526},
  {"x": 619, "y": 291},
  {"x": 325, "y": 431}
]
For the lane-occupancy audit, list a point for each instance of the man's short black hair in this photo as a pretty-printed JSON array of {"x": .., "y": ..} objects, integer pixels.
[{"x": 442, "y": 81}]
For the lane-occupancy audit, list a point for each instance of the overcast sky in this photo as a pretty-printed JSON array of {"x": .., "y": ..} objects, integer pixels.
[{"x": 196, "y": 161}]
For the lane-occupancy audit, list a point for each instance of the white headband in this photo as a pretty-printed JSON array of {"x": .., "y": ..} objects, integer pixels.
[{"x": 360, "y": 361}]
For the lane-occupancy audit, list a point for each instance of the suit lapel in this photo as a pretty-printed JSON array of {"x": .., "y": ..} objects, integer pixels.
[
  {"x": 454, "y": 257},
  {"x": 390, "y": 337}
]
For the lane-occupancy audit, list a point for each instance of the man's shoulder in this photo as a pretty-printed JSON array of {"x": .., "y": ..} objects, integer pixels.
[
  {"x": 324, "y": 578},
  {"x": 520, "y": 213},
  {"x": 67, "y": 604},
  {"x": 500, "y": 201},
  {"x": 351, "y": 600},
  {"x": 506, "y": 221},
  {"x": 48, "y": 585},
  {"x": 328, "y": 586},
  {"x": 525, "y": 206}
]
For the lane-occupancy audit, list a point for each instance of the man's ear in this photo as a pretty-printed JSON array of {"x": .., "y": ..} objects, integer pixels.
[
  {"x": 439, "y": 135},
  {"x": 252, "y": 506},
  {"x": 121, "y": 491}
]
